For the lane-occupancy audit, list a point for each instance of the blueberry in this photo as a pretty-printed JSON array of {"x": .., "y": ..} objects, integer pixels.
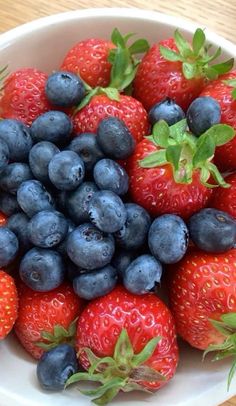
[
  {"x": 77, "y": 202},
  {"x": 62, "y": 247},
  {"x": 90, "y": 248},
  {"x": 47, "y": 229},
  {"x": 8, "y": 204},
  {"x": 87, "y": 147},
  {"x": 134, "y": 232},
  {"x": 166, "y": 110},
  {"x": 109, "y": 175},
  {"x": 122, "y": 259},
  {"x": 4, "y": 155},
  {"x": 64, "y": 89},
  {"x": 42, "y": 270},
  {"x": 33, "y": 197},
  {"x": 66, "y": 170},
  {"x": 202, "y": 114},
  {"x": 72, "y": 271},
  {"x": 9, "y": 246},
  {"x": 114, "y": 138},
  {"x": 168, "y": 238},
  {"x": 54, "y": 126},
  {"x": 18, "y": 224},
  {"x": 107, "y": 211},
  {"x": 213, "y": 230},
  {"x": 100, "y": 282},
  {"x": 39, "y": 157},
  {"x": 142, "y": 275},
  {"x": 18, "y": 138},
  {"x": 14, "y": 175},
  {"x": 56, "y": 366}
]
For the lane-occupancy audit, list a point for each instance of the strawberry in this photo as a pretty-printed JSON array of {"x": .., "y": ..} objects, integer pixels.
[
  {"x": 23, "y": 96},
  {"x": 171, "y": 169},
  {"x": 46, "y": 318},
  {"x": 225, "y": 199},
  {"x": 221, "y": 90},
  {"x": 126, "y": 342},
  {"x": 3, "y": 219},
  {"x": 124, "y": 107},
  {"x": 202, "y": 291},
  {"x": 8, "y": 303},
  {"x": 174, "y": 68},
  {"x": 89, "y": 60}
]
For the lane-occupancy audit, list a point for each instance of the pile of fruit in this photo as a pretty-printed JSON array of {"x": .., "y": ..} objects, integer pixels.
[{"x": 118, "y": 178}]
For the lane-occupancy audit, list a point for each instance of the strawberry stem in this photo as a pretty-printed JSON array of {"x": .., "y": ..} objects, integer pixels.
[{"x": 60, "y": 335}]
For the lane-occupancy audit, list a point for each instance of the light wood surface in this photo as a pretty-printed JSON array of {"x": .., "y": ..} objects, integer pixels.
[{"x": 218, "y": 15}]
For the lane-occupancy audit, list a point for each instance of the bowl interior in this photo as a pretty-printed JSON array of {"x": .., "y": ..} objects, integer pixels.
[{"x": 43, "y": 44}]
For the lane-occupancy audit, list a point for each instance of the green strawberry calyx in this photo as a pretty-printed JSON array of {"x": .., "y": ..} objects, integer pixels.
[
  {"x": 227, "y": 327},
  {"x": 124, "y": 371},
  {"x": 232, "y": 83},
  {"x": 187, "y": 153},
  {"x": 60, "y": 335},
  {"x": 195, "y": 57}
]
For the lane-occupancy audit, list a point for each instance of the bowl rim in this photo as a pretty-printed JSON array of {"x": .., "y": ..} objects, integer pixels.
[{"x": 22, "y": 30}]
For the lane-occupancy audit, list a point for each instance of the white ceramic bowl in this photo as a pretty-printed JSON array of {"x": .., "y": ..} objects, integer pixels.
[{"x": 42, "y": 44}]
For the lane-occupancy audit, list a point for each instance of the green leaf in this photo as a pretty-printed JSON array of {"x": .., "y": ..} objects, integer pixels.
[
  {"x": 117, "y": 38},
  {"x": 161, "y": 133},
  {"x": 230, "y": 82},
  {"x": 59, "y": 332},
  {"x": 224, "y": 67},
  {"x": 221, "y": 133},
  {"x": 111, "y": 93},
  {"x": 204, "y": 176},
  {"x": 182, "y": 45},
  {"x": 231, "y": 373},
  {"x": 123, "y": 350},
  {"x": 107, "y": 362},
  {"x": 46, "y": 347},
  {"x": 173, "y": 154},
  {"x": 157, "y": 158},
  {"x": 234, "y": 94},
  {"x": 128, "y": 36},
  {"x": 189, "y": 70},
  {"x": 121, "y": 63},
  {"x": 178, "y": 129},
  {"x": 210, "y": 73},
  {"x": 47, "y": 336},
  {"x": 107, "y": 396},
  {"x": 205, "y": 149},
  {"x": 217, "y": 175},
  {"x": 84, "y": 376},
  {"x": 146, "y": 352},
  {"x": 170, "y": 55},
  {"x": 220, "y": 327},
  {"x": 229, "y": 319},
  {"x": 86, "y": 99},
  {"x": 145, "y": 373},
  {"x": 115, "y": 382},
  {"x": 198, "y": 41},
  {"x": 210, "y": 58},
  {"x": 138, "y": 47}
]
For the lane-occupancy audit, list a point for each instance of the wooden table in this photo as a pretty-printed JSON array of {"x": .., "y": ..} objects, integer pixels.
[{"x": 219, "y": 15}]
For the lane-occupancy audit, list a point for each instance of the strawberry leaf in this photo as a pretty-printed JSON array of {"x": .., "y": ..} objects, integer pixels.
[
  {"x": 110, "y": 92},
  {"x": 221, "y": 134},
  {"x": 173, "y": 154},
  {"x": 198, "y": 41},
  {"x": 146, "y": 352},
  {"x": 170, "y": 55},
  {"x": 154, "y": 159},
  {"x": 217, "y": 175},
  {"x": 224, "y": 67},
  {"x": 210, "y": 73},
  {"x": 117, "y": 38},
  {"x": 205, "y": 149},
  {"x": 178, "y": 129},
  {"x": 161, "y": 134},
  {"x": 189, "y": 70},
  {"x": 229, "y": 319},
  {"x": 139, "y": 47},
  {"x": 234, "y": 94},
  {"x": 182, "y": 45},
  {"x": 231, "y": 373},
  {"x": 220, "y": 326}
]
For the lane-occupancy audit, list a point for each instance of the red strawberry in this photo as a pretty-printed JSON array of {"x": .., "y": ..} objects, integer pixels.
[
  {"x": 8, "y": 303},
  {"x": 222, "y": 92},
  {"x": 225, "y": 199},
  {"x": 174, "y": 68},
  {"x": 3, "y": 219},
  {"x": 127, "y": 109},
  {"x": 23, "y": 95},
  {"x": 89, "y": 59},
  {"x": 43, "y": 311},
  {"x": 125, "y": 328}
]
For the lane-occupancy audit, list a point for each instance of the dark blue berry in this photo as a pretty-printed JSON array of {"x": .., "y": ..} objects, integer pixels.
[
  {"x": 9, "y": 246},
  {"x": 168, "y": 238},
  {"x": 100, "y": 282},
  {"x": 213, "y": 230},
  {"x": 90, "y": 248},
  {"x": 47, "y": 228},
  {"x": 33, "y": 197},
  {"x": 64, "y": 89},
  {"x": 39, "y": 157},
  {"x": 53, "y": 126},
  {"x": 122, "y": 259},
  {"x": 62, "y": 247},
  {"x": 4, "y": 155},
  {"x": 18, "y": 138},
  {"x": 107, "y": 211},
  {"x": 77, "y": 202},
  {"x": 109, "y": 175},
  {"x": 134, "y": 232},
  {"x": 202, "y": 114},
  {"x": 86, "y": 146},
  {"x": 114, "y": 138},
  {"x": 14, "y": 174},
  {"x": 8, "y": 204},
  {"x": 18, "y": 224},
  {"x": 142, "y": 275},
  {"x": 56, "y": 366},
  {"x": 72, "y": 270},
  {"x": 66, "y": 170},
  {"x": 42, "y": 270},
  {"x": 166, "y": 110}
]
